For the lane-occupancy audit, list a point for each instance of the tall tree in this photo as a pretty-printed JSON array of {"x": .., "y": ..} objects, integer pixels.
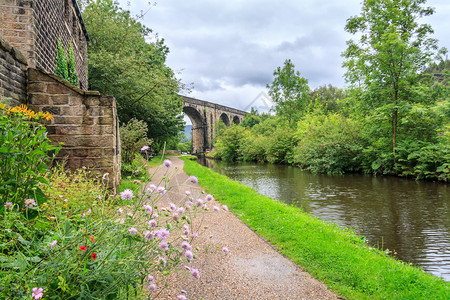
[
  {"x": 289, "y": 91},
  {"x": 393, "y": 49},
  {"x": 124, "y": 63}
]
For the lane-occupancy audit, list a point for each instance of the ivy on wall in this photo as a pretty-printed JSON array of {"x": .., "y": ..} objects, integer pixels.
[{"x": 65, "y": 66}]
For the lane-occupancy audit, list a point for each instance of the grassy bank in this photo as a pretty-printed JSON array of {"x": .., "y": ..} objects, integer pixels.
[{"x": 336, "y": 256}]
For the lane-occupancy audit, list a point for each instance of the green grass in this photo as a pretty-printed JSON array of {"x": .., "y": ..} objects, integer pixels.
[{"x": 336, "y": 256}]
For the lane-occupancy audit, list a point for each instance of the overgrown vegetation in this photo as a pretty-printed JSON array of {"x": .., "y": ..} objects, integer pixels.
[
  {"x": 65, "y": 237},
  {"x": 336, "y": 256}
]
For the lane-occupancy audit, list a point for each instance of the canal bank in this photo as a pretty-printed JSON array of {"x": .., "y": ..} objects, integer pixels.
[
  {"x": 339, "y": 258},
  {"x": 408, "y": 218}
]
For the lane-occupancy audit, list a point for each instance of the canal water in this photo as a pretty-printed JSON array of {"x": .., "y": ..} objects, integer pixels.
[{"x": 409, "y": 218}]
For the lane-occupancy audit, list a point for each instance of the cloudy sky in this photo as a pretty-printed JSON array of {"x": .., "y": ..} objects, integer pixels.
[{"x": 229, "y": 49}]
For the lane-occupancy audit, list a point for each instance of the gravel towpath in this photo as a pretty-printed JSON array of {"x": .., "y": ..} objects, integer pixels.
[{"x": 252, "y": 269}]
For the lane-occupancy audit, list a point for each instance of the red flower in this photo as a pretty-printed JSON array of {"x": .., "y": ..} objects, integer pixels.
[
  {"x": 83, "y": 248},
  {"x": 94, "y": 256},
  {"x": 92, "y": 238},
  {"x": 62, "y": 184}
]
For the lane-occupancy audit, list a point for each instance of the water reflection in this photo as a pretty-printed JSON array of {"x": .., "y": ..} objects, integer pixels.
[{"x": 412, "y": 218}]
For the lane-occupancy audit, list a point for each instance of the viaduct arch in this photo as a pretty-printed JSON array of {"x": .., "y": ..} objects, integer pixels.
[{"x": 204, "y": 116}]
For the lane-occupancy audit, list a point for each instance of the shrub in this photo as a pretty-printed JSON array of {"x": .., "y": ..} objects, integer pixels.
[
  {"x": 24, "y": 149},
  {"x": 133, "y": 137},
  {"x": 72, "y": 74},
  {"x": 328, "y": 144}
]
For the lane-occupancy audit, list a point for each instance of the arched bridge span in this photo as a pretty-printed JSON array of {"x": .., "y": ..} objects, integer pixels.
[{"x": 204, "y": 116}]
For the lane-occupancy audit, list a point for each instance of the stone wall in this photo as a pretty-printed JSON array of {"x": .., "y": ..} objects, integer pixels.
[
  {"x": 13, "y": 72},
  {"x": 86, "y": 122},
  {"x": 34, "y": 26}
]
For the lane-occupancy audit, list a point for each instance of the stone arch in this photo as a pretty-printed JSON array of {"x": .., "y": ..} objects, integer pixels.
[
  {"x": 198, "y": 132},
  {"x": 236, "y": 120},
  {"x": 225, "y": 119}
]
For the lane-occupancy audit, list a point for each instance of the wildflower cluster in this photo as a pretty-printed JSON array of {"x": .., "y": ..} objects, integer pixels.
[{"x": 99, "y": 245}]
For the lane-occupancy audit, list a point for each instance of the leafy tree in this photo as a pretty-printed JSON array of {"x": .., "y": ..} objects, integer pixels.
[
  {"x": 327, "y": 96},
  {"x": 393, "y": 49},
  {"x": 289, "y": 91},
  {"x": 123, "y": 63}
]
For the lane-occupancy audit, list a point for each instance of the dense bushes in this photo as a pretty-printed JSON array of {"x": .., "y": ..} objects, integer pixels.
[{"x": 347, "y": 141}]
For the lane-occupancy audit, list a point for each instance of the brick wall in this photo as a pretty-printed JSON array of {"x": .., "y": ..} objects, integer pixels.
[
  {"x": 13, "y": 72},
  {"x": 86, "y": 122},
  {"x": 34, "y": 26}
]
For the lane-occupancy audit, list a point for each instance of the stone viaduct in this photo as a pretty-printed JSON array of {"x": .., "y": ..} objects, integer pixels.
[{"x": 204, "y": 116}]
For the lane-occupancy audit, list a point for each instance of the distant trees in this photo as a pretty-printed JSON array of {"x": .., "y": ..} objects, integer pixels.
[
  {"x": 289, "y": 91},
  {"x": 124, "y": 63}
]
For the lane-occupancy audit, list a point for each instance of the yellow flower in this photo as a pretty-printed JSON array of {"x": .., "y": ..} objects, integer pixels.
[{"x": 2, "y": 106}]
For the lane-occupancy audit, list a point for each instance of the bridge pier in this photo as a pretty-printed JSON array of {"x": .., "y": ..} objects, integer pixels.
[{"x": 204, "y": 115}]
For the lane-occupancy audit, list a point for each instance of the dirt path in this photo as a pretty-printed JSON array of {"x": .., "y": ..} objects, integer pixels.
[{"x": 252, "y": 269}]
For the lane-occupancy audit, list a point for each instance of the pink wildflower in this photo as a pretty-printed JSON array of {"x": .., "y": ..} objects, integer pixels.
[
  {"x": 163, "y": 233},
  {"x": 225, "y": 250},
  {"x": 150, "y": 278},
  {"x": 181, "y": 210},
  {"x": 161, "y": 190},
  {"x": 152, "y": 223},
  {"x": 181, "y": 297},
  {"x": 30, "y": 203},
  {"x": 225, "y": 208},
  {"x": 186, "y": 246},
  {"x": 149, "y": 235},
  {"x": 164, "y": 246},
  {"x": 132, "y": 230},
  {"x": 65, "y": 200},
  {"x": 195, "y": 273},
  {"x": 155, "y": 215},
  {"x": 167, "y": 163},
  {"x": 120, "y": 210},
  {"x": 175, "y": 217},
  {"x": 172, "y": 207},
  {"x": 8, "y": 205},
  {"x": 53, "y": 244},
  {"x": 152, "y": 187},
  {"x": 215, "y": 208},
  {"x": 189, "y": 255},
  {"x": 152, "y": 287},
  {"x": 199, "y": 202},
  {"x": 127, "y": 194},
  {"x": 148, "y": 209},
  {"x": 209, "y": 197},
  {"x": 193, "y": 179},
  {"x": 104, "y": 176},
  {"x": 188, "y": 193},
  {"x": 37, "y": 293},
  {"x": 145, "y": 148}
]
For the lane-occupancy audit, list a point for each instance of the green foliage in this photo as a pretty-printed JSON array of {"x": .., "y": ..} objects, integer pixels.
[
  {"x": 61, "y": 69},
  {"x": 328, "y": 96},
  {"x": 280, "y": 146},
  {"x": 338, "y": 257},
  {"x": 289, "y": 91},
  {"x": 24, "y": 149},
  {"x": 392, "y": 49},
  {"x": 80, "y": 245},
  {"x": 137, "y": 169},
  {"x": 328, "y": 144},
  {"x": 124, "y": 64},
  {"x": 228, "y": 146},
  {"x": 72, "y": 76},
  {"x": 133, "y": 137}
]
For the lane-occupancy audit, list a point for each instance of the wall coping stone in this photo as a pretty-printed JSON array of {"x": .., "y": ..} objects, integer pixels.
[
  {"x": 16, "y": 53},
  {"x": 68, "y": 84}
]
